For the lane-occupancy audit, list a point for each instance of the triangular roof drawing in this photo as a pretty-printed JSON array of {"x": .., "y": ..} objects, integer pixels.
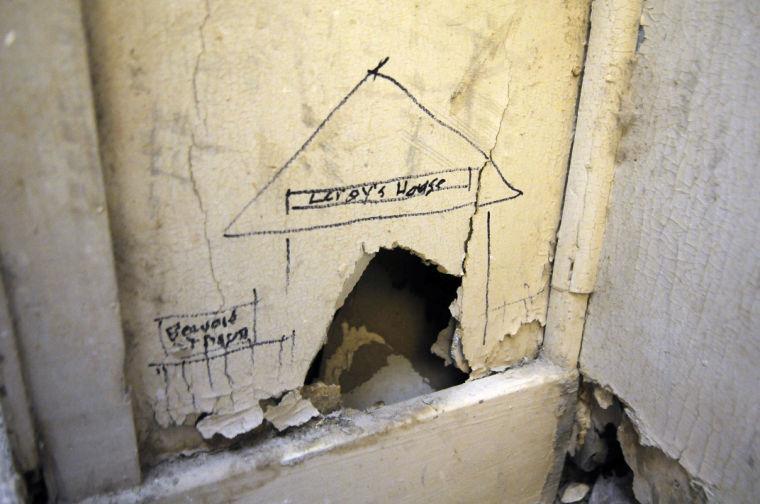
[{"x": 380, "y": 154}]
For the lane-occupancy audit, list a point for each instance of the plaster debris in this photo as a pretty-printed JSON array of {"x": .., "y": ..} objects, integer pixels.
[
  {"x": 324, "y": 397},
  {"x": 230, "y": 425},
  {"x": 574, "y": 492},
  {"x": 608, "y": 450},
  {"x": 603, "y": 397},
  {"x": 291, "y": 411},
  {"x": 613, "y": 490},
  {"x": 657, "y": 477},
  {"x": 395, "y": 382},
  {"x": 379, "y": 345},
  {"x": 442, "y": 345},
  {"x": 457, "y": 353},
  {"x": 342, "y": 358}
]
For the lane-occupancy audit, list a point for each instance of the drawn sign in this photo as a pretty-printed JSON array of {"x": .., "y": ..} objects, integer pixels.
[
  {"x": 203, "y": 337},
  {"x": 393, "y": 190}
]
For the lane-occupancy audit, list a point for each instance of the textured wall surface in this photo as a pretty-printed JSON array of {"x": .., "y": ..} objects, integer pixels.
[
  {"x": 673, "y": 324},
  {"x": 57, "y": 262}
]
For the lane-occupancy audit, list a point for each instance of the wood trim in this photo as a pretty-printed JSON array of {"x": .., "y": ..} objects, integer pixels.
[
  {"x": 488, "y": 440},
  {"x": 611, "y": 49},
  {"x": 57, "y": 260}
]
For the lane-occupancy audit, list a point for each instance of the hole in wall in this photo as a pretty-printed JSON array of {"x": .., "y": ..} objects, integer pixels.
[
  {"x": 596, "y": 471},
  {"x": 610, "y": 479},
  {"x": 378, "y": 345},
  {"x": 36, "y": 489}
]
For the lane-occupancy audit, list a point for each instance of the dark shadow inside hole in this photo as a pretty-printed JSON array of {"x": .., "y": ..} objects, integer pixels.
[
  {"x": 611, "y": 473},
  {"x": 378, "y": 345},
  {"x": 312, "y": 375}
]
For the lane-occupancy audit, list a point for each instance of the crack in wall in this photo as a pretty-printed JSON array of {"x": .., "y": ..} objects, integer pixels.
[
  {"x": 196, "y": 68},
  {"x": 196, "y": 192},
  {"x": 478, "y": 185}
]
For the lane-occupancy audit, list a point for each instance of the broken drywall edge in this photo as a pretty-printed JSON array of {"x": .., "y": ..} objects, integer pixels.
[
  {"x": 659, "y": 475},
  {"x": 606, "y": 78},
  {"x": 291, "y": 411},
  {"x": 231, "y": 425},
  {"x": 338, "y": 431},
  {"x": 656, "y": 476}
]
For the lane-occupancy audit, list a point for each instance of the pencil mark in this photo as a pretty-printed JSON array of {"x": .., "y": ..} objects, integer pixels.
[
  {"x": 255, "y": 306},
  {"x": 226, "y": 370},
  {"x": 362, "y": 219},
  {"x": 287, "y": 264},
  {"x": 165, "y": 374},
  {"x": 189, "y": 388},
  {"x": 488, "y": 272},
  {"x": 163, "y": 345},
  {"x": 292, "y": 345},
  {"x": 277, "y": 341}
]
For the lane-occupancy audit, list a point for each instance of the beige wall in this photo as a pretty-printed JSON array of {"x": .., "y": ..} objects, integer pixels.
[
  {"x": 672, "y": 327},
  {"x": 203, "y": 103}
]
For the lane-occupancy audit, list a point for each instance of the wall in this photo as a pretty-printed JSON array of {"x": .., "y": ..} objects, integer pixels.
[
  {"x": 672, "y": 327},
  {"x": 56, "y": 256},
  {"x": 216, "y": 126}
]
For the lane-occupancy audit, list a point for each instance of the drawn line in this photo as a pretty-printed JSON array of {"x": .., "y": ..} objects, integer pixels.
[
  {"x": 377, "y": 182},
  {"x": 212, "y": 357},
  {"x": 365, "y": 219},
  {"x": 298, "y": 152},
  {"x": 255, "y": 305},
  {"x": 161, "y": 338},
  {"x": 488, "y": 270},
  {"x": 348, "y": 222},
  {"x": 450, "y": 128},
  {"x": 287, "y": 260},
  {"x": 202, "y": 314}
]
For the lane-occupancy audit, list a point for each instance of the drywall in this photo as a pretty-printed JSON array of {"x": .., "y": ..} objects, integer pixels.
[
  {"x": 672, "y": 328},
  {"x": 252, "y": 174},
  {"x": 57, "y": 264},
  {"x": 489, "y": 440}
]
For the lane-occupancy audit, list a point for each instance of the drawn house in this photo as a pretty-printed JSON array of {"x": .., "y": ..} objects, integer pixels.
[{"x": 379, "y": 155}]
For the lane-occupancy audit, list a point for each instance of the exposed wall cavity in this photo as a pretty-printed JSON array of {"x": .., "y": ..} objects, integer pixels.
[
  {"x": 392, "y": 338},
  {"x": 607, "y": 459}
]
